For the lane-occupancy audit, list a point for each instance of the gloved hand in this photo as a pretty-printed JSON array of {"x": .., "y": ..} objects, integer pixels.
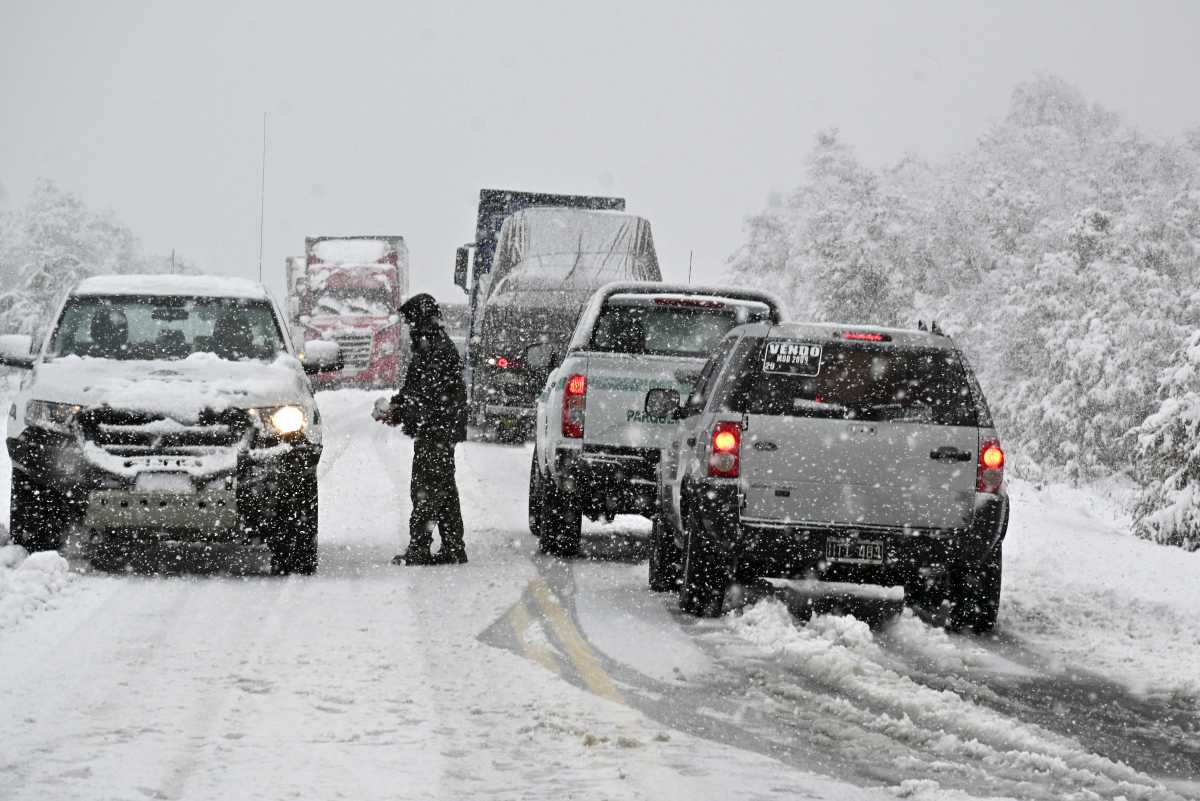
[{"x": 387, "y": 410}]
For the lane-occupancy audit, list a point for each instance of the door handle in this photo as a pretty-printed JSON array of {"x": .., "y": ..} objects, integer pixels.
[{"x": 949, "y": 453}]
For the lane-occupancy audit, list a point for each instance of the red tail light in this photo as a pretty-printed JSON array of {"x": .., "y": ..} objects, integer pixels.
[
  {"x": 989, "y": 474},
  {"x": 725, "y": 458},
  {"x": 502, "y": 362},
  {"x": 574, "y": 401}
]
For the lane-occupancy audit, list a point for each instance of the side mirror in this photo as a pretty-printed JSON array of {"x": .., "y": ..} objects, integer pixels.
[
  {"x": 541, "y": 356},
  {"x": 321, "y": 356},
  {"x": 462, "y": 258},
  {"x": 16, "y": 351},
  {"x": 662, "y": 403}
]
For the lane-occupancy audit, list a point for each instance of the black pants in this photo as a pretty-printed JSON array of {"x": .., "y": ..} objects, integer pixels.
[{"x": 435, "y": 497}]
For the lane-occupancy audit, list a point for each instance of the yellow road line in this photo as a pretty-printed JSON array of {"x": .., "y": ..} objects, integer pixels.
[
  {"x": 578, "y": 651},
  {"x": 518, "y": 618}
]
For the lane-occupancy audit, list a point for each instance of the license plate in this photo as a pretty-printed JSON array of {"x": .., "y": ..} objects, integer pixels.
[
  {"x": 854, "y": 552},
  {"x": 178, "y": 483}
]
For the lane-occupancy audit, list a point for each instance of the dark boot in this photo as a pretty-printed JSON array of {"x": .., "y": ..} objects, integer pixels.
[
  {"x": 414, "y": 556},
  {"x": 450, "y": 556}
]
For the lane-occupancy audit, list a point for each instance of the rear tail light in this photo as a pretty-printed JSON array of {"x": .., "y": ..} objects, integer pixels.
[
  {"x": 574, "y": 402},
  {"x": 989, "y": 474},
  {"x": 725, "y": 457}
]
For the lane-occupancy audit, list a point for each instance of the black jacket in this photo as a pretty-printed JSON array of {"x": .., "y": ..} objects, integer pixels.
[{"x": 433, "y": 402}]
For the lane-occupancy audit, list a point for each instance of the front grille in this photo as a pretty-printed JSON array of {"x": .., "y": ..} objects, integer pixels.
[
  {"x": 356, "y": 350},
  {"x": 126, "y": 433}
]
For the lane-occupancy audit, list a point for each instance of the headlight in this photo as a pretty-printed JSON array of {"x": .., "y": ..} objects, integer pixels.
[
  {"x": 51, "y": 416},
  {"x": 280, "y": 420},
  {"x": 287, "y": 419}
]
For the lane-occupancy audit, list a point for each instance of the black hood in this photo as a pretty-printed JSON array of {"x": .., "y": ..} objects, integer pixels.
[{"x": 420, "y": 309}]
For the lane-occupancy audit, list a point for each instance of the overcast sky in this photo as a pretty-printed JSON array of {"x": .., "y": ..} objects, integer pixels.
[{"x": 388, "y": 117}]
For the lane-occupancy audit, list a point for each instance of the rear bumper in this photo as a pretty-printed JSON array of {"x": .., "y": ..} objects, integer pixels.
[
  {"x": 777, "y": 548},
  {"x": 608, "y": 481}
]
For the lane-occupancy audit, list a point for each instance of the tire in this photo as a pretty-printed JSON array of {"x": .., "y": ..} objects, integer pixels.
[
  {"x": 294, "y": 548},
  {"x": 36, "y": 515},
  {"x": 536, "y": 491},
  {"x": 561, "y": 523},
  {"x": 665, "y": 558},
  {"x": 706, "y": 575},
  {"x": 975, "y": 596}
]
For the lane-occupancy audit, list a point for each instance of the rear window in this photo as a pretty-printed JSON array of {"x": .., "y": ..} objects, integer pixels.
[
  {"x": 668, "y": 327},
  {"x": 799, "y": 378}
]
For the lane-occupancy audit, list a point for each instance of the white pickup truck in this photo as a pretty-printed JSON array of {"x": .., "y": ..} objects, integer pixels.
[{"x": 597, "y": 451}]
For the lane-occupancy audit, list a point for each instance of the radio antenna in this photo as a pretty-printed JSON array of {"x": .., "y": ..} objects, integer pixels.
[{"x": 262, "y": 198}]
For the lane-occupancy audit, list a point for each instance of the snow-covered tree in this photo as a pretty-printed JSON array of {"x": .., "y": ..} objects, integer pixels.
[
  {"x": 1054, "y": 250},
  {"x": 50, "y": 244},
  {"x": 1168, "y": 449}
]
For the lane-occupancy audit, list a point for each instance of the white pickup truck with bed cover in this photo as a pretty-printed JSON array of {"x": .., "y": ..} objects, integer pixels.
[
  {"x": 597, "y": 451},
  {"x": 166, "y": 409}
]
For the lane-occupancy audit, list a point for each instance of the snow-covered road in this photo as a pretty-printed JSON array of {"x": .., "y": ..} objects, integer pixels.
[{"x": 520, "y": 676}]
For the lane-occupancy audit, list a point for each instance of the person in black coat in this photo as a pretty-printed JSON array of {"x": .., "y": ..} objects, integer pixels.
[{"x": 432, "y": 409}]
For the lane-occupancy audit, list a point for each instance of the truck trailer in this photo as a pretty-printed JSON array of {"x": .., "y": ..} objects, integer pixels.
[{"x": 537, "y": 259}]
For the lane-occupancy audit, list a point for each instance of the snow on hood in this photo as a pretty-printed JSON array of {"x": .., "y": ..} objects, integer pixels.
[{"x": 179, "y": 389}]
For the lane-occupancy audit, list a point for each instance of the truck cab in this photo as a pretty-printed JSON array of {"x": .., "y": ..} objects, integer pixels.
[
  {"x": 597, "y": 451},
  {"x": 347, "y": 290}
]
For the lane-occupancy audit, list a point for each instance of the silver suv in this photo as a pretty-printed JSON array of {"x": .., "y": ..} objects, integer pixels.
[{"x": 833, "y": 452}]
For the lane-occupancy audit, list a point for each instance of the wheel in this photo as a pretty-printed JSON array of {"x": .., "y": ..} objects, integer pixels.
[
  {"x": 294, "y": 546},
  {"x": 535, "y": 497},
  {"x": 36, "y": 515},
  {"x": 664, "y": 558},
  {"x": 706, "y": 575},
  {"x": 561, "y": 522},
  {"x": 975, "y": 596}
]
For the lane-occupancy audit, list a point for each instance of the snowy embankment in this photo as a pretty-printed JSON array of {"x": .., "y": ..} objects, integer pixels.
[
  {"x": 1079, "y": 585},
  {"x": 1079, "y": 591},
  {"x": 27, "y": 583}
]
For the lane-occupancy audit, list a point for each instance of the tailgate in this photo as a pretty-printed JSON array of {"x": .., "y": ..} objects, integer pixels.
[
  {"x": 616, "y": 396},
  {"x": 836, "y": 471}
]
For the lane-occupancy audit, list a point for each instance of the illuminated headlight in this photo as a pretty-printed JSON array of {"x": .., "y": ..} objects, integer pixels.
[
  {"x": 282, "y": 419},
  {"x": 288, "y": 419},
  {"x": 51, "y": 416}
]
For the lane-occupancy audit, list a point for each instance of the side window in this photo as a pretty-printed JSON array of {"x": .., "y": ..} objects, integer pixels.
[
  {"x": 708, "y": 375},
  {"x": 981, "y": 408}
]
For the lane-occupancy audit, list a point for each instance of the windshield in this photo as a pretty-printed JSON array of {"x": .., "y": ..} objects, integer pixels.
[
  {"x": 667, "y": 329},
  {"x": 353, "y": 301},
  {"x": 842, "y": 381},
  {"x": 143, "y": 328}
]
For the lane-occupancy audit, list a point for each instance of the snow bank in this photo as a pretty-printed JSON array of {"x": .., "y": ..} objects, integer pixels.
[
  {"x": 29, "y": 582},
  {"x": 865, "y": 689},
  {"x": 1079, "y": 586}
]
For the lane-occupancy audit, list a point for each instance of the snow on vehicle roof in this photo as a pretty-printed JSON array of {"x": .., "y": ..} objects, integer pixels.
[
  {"x": 856, "y": 333},
  {"x": 353, "y": 251},
  {"x": 201, "y": 286}
]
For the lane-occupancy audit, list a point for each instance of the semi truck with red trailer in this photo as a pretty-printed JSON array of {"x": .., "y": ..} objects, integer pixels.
[{"x": 347, "y": 289}]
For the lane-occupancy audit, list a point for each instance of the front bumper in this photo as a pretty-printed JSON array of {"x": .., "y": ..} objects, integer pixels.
[
  {"x": 225, "y": 493},
  {"x": 909, "y": 556}
]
